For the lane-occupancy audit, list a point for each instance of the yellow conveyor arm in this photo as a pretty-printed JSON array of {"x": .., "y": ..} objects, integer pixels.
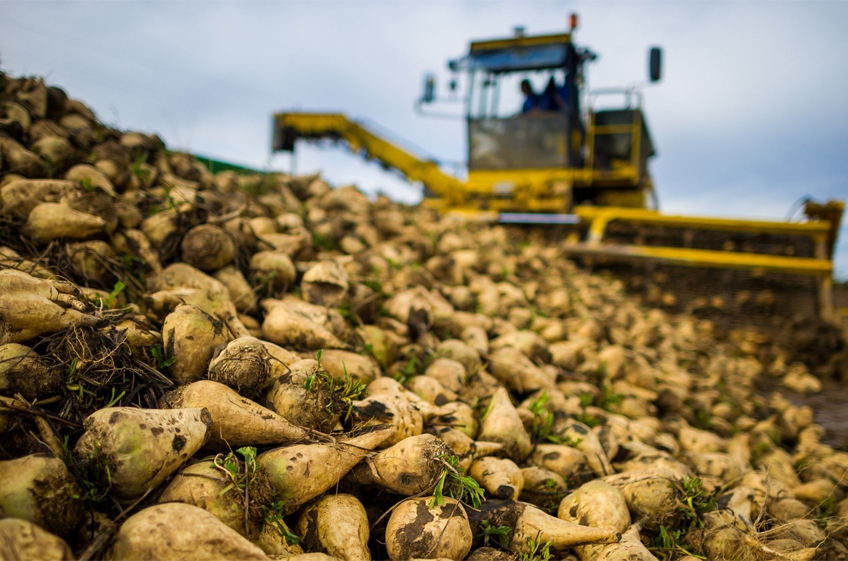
[{"x": 360, "y": 139}]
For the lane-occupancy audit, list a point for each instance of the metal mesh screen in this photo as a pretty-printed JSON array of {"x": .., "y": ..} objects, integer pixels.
[
  {"x": 731, "y": 298},
  {"x": 772, "y": 244}
]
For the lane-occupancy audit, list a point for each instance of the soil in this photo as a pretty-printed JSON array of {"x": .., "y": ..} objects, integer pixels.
[{"x": 830, "y": 406}]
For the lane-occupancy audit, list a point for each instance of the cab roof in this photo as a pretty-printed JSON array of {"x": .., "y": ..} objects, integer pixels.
[
  {"x": 537, "y": 52},
  {"x": 521, "y": 41}
]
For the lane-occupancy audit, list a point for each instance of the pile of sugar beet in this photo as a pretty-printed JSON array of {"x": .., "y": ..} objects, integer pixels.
[{"x": 254, "y": 366}]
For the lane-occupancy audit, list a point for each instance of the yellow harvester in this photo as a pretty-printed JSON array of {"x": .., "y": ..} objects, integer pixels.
[{"x": 568, "y": 157}]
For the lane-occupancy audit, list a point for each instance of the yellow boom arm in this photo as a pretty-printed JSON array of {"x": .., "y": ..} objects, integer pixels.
[{"x": 290, "y": 126}]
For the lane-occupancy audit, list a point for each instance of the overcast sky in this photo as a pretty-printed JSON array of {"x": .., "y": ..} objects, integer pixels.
[{"x": 751, "y": 114}]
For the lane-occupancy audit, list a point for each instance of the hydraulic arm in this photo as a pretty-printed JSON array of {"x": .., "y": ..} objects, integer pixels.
[{"x": 289, "y": 127}]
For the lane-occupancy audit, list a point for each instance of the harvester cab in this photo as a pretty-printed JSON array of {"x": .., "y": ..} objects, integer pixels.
[
  {"x": 531, "y": 145},
  {"x": 543, "y": 148}
]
